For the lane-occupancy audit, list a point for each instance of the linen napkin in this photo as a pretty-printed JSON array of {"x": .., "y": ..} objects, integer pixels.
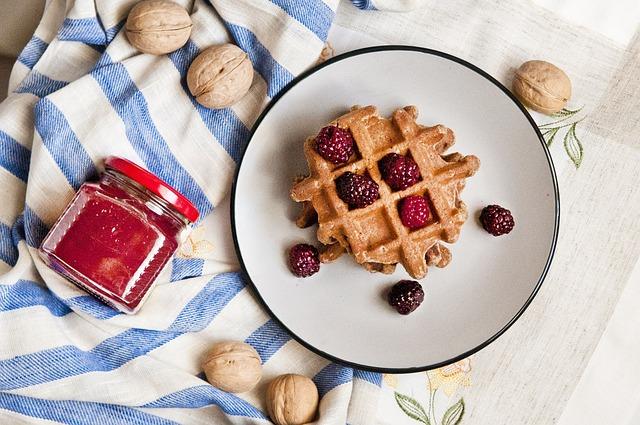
[{"x": 80, "y": 92}]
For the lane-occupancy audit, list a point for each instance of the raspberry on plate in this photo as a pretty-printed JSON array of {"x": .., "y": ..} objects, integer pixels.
[
  {"x": 405, "y": 296},
  {"x": 414, "y": 212},
  {"x": 358, "y": 191},
  {"x": 400, "y": 172},
  {"x": 304, "y": 260},
  {"x": 335, "y": 144},
  {"x": 497, "y": 220}
]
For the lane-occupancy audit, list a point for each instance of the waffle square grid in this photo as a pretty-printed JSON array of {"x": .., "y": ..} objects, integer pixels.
[{"x": 375, "y": 234}]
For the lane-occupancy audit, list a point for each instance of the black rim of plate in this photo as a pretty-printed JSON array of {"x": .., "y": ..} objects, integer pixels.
[{"x": 544, "y": 148}]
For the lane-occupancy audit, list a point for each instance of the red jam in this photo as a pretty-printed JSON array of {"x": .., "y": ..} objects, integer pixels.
[{"x": 117, "y": 235}]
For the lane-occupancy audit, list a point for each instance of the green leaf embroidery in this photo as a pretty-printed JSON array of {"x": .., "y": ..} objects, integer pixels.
[
  {"x": 569, "y": 124},
  {"x": 573, "y": 146},
  {"x": 565, "y": 111},
  {"x": 556, "y": 124},
  {"x": 549, "y": 135},
  {"x": 453, "y": 415},
  {"x": 412, "y": 408}
]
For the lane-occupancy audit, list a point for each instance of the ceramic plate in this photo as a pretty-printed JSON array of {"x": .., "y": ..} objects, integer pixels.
[{"x": 341, "y": 312}]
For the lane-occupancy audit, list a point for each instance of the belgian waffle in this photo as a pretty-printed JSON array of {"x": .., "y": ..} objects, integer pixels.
[{"x": 374, "y": 235}]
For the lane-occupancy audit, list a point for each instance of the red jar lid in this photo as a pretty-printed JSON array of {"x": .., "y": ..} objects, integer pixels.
[{"x": 155, "y": 185}]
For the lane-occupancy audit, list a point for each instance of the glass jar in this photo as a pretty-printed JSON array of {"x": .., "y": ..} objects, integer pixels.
[{"x": 116, "y": 235}]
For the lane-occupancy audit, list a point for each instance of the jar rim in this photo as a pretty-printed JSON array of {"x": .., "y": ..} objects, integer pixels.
[{"x": 155, "y": 185}]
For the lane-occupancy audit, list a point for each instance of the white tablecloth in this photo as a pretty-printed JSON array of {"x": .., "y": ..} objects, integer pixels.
[{"x": 572, "y": 358}]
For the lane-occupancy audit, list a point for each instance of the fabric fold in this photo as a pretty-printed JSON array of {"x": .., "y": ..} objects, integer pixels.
[{"x": 80, "y": 92}]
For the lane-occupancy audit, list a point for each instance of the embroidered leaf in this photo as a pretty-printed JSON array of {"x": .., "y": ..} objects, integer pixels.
[
  {"x": 565, "y": 120},
  {"x": 412, "y": 408},
  {"x": 453, "y": 415},
  {"x": 573, "y": 146},
  {"x": 566, "y": 112},
  {"x": 575, "y": 137},
  {"x": 564, "y": 115},
  {"x": 549, "y": 135},
  {"x": 568, "y": 124}
]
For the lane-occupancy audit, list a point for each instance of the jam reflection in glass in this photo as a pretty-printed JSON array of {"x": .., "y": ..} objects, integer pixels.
[{"x": 117, "y": 235}]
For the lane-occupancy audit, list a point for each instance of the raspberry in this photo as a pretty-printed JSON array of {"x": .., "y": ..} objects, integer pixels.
[
  {"x": 335, "y": 144},
  {"x": 400, "y": 172},
  {"x": 497, "y": 220},
  {"x": 406, "y": 296},
  {"x": 414, "y": 212},
  {"x": 303, "y": 260},
  {"x": 358, "y": 191}
]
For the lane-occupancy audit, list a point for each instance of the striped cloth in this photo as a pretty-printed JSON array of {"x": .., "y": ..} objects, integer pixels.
[{"x": 78, "y": 93}]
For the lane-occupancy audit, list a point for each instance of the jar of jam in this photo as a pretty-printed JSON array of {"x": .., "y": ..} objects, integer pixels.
[{"x": 116, "y": 235}]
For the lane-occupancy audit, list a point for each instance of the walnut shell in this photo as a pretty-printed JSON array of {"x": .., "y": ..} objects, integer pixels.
[
  {"x": 158, "y": 26},
  {"x": 219, "y": 76},
  {"x": 542, "y": 86},
  {"x": 234, "y": 367},
  {"x": 292, "y": 400}
]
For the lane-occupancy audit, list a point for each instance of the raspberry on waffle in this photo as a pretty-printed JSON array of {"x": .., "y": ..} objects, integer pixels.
[{"x": 374, "y": 234}]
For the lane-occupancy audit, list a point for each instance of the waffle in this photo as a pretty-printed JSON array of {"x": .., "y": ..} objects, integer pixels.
[{"x": 374, "y": 235}]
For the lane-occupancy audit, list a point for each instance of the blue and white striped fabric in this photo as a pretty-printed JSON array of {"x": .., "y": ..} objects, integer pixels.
[{"x": 78, "y": 93}]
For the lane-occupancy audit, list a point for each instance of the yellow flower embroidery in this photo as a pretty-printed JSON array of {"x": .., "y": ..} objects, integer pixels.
[
  {"x": 195, "y": 246},
  {"x": 327, "y": 52},
  {"x": 390, "y": 380},
  {"x": 451, "y": 377}
]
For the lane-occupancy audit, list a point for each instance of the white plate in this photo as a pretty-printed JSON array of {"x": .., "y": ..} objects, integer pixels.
[{"x": 340, "y": 312}]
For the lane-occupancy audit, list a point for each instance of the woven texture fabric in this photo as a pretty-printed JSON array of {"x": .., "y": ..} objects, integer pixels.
[{"x": 528, "y": 375}]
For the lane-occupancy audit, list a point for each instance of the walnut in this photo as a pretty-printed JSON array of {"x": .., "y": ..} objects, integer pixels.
[
  {"x": 292, "y": 400},
  {"x": 234, "y": 367},
  {"x": 220, "y": 76},
  {"x": 158, "y": 26},
  {"x": 542, "y": 86}
]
